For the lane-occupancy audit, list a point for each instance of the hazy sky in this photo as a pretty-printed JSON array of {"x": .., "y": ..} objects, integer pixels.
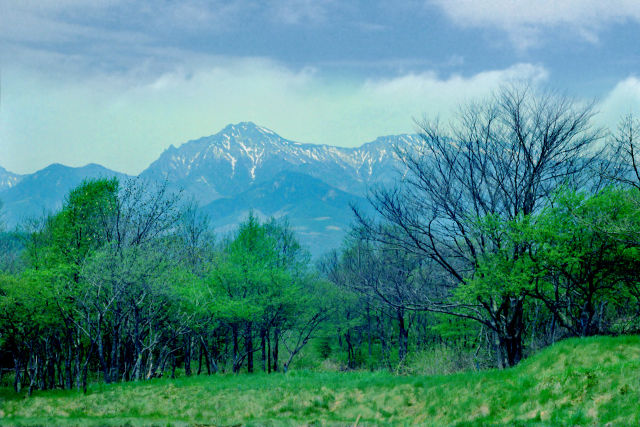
[{"x": 115, "y": 82}]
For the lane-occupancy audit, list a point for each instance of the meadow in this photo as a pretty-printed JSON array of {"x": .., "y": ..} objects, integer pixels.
[{"x": 579, "y": 381}]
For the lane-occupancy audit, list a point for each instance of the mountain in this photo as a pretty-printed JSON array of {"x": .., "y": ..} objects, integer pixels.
[
  {"x": 244, "y": 154},
  {"x": 44, "y": 191},
  {"x": 319, "y": 213},
  {"x": 8, "y": 179},
  {"x": 243, "y": 167}
]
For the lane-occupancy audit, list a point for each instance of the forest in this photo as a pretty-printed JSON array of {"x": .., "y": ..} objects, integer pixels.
[{"x": 515, "y": 226}]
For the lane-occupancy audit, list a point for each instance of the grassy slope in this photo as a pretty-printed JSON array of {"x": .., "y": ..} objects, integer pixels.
[{"x": 588, "y": 381}]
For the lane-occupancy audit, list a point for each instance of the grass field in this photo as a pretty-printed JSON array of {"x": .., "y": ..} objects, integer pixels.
[{"x": 594, "y": 381}]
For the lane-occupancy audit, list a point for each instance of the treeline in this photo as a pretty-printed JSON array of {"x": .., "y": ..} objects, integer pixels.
[
  {"x": 126, "y": 283},
  {"x": 514, "y": 226}
]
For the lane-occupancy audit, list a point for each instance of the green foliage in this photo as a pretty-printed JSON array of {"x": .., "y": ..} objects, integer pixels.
[
  {"x": 251, "y": 280},
  {"x": 28, "y": 307},
  {"x": 505, "y": 270},
  {"x": 323, "y": 347},
  {"x": 575, "y": 255},
  {"x": 453, "y": 328},
  {"x": 79, "y": 227},
  {"x": 584, "y": 250}
]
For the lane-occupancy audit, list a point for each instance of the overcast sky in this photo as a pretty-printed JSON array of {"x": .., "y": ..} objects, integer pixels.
[{"x": 116, "y": 82}]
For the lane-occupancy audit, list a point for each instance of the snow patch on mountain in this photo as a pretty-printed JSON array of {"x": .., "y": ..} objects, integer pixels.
[{"x": 8, "y": 179}]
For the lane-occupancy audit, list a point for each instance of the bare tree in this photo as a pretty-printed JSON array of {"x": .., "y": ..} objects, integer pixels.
[
  {"x": 622, "y": 161},
  {"x": 502, "y": 157},
  {"x": 382, "y": 275}
]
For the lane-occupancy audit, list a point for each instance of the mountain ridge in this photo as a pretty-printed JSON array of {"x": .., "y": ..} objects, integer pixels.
[
  {"x": 245, "y": 153},
  {"x": 242, "y": 167},
  {"x": 44, "y": 190}
]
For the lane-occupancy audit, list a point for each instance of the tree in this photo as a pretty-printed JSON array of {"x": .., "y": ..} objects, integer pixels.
[
  {"x": 260, "y": 286},
  {"x": 622, "y": 161},
  {"x": 103, "y": 262},
  {"x": 500, "y": 158},
  {"x": 126, "y": 280},
  {"x": 573, "y": 263},
  {"x": 579, "y": 264},
  {"x": 383, "y": 275},
  {"x": 71, "y": 237}
]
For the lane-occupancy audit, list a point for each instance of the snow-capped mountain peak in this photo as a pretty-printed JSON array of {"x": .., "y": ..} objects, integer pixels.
[{"x": 245, "y": 153}]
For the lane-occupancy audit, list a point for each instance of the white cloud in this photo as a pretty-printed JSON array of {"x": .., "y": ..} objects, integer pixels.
[
  {"x": 125, "y": 121},
  {"x": 525, "y": 20},
  {"x": 623, "y": 99}
]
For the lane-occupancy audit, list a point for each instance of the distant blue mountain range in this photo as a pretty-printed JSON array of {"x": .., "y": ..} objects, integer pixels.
[{"x": 241, "y": 168}]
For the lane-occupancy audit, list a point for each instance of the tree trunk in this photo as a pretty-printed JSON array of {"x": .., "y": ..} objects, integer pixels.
[
  {"x": 85, "y": 371},
  {"x": 137, "y": 345},
  {"x": 276, "y": 340},
  {"x": 369, "y": 332},
  {"x": 248, "y": 339},
  {"x": 211, "y": 364},
  {"x": 77, "y": 359},
  {"x": 587, "y": 316},
  {"x": 200, "y": 355},
  {"x": 17, "y": 367},
  {"x": 173, "y": 367},
  {"x": 510, "y": 331},
  {"x": 52, "y": 356},
  {"x": 103, "y": 363},
  {"x": 351, "y": 356},
  {"x": 85, "y": 367},
  {"x": 236, "y": 356},
  {"x": 67, "y": 364},
  {"x": 263, "y": 349},
  {"x": 187, "y": 354},
  {"x": 403, "y": 336},
  {"x": 33, "y": 366},
  {"x": 115, "y": 353},
  {"x": 268, "y": 353}
]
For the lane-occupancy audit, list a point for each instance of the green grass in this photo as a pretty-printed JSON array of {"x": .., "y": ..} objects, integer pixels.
[{"x": 594, "y": 381}]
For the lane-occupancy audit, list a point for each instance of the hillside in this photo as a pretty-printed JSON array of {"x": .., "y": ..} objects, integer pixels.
[
  {"x": 318, "y": 212},
  {"x": 594, "y": 381}
]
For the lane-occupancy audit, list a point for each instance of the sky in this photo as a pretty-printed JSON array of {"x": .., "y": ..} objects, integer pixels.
[{"x": 116, "y": 82}]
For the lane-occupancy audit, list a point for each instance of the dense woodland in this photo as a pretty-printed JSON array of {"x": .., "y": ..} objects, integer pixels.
[{"x": 516, "y": 225}]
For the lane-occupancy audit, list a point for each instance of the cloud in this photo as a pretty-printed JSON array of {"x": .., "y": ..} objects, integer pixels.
[
  {"x": 623, "y": 99},
  {"x": 526, "y": 20},
  {"x": 79, "y": 21},
  {"x": 300, "y": 11},
  {"x": 51, "y": 22},
  {"x": 124, "y": 121}
]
